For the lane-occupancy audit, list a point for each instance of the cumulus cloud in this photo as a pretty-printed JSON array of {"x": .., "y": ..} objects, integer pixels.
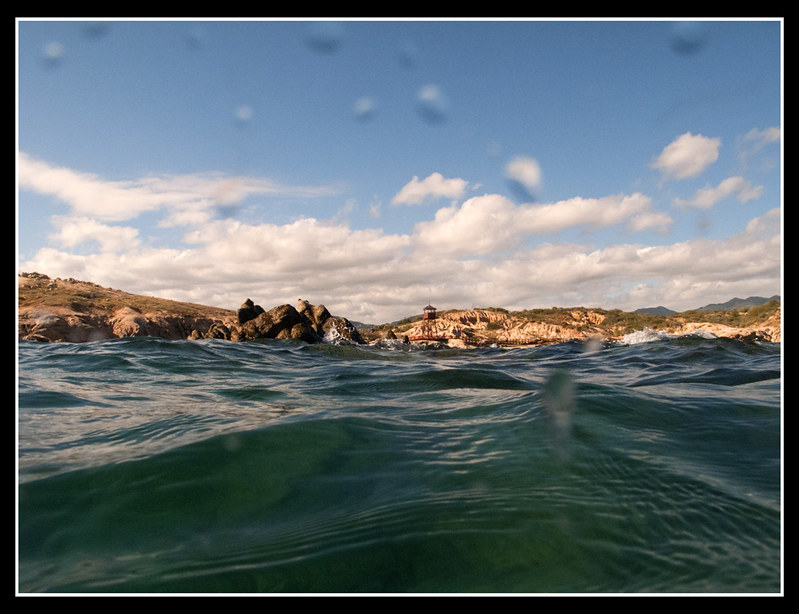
[
  {"x": 492, "y": 223},
  {"x": 469, "y": 254},
  {"x": 681, "y": 275},
  {"x": 74, "y": 231},
  {"x": 433, "y": 187},
  {"x": 687, "y": 156},
  {"x": 325, "y": 263},
  {"x": 707, "y": 197},
  {"x": 658, "y": 222}
]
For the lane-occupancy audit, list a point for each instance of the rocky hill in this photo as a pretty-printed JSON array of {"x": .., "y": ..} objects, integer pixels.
[
  {"x": 77, "y": 311},
  {"x": 556, "y": 325}
]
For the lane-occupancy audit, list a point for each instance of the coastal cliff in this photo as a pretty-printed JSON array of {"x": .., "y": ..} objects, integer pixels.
[{"x": 54, "y": 310}]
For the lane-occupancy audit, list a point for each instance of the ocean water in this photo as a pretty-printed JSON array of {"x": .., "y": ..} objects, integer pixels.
[{"x": 651, "y": 465}]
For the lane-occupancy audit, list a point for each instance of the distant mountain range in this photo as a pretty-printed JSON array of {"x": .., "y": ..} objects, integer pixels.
[{"x": 735, "y": 303}]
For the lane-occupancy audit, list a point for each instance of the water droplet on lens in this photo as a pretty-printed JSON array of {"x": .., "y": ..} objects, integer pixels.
[
  {"x": 433, "y": 104},
  {"x": 195, "y": 38},
  {"x": 53, "y": 53},
  {"x": 95, "y": 29},
  {"x": 523, "y": 175},
  {"x": 365, "y": 108},
  {"x": 243, "y": 114},
  {"x": 559, "y": 398},
  {"x": 325, "y": 36},
  {"x": 688, "y": 37},
  {"x": 408, "y": 54}
]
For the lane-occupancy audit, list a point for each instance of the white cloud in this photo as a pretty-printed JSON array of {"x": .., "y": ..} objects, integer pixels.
[
  {"x": 492, "y": 223},
  {"x": 687, "y": 156},
  {"x": 77, "y": 231},
  {"x": 707, "y": 197},
  {"x": 481, "y": 225},
  {"x": 433, "y": 187},
  {"x": 468, "y": 255},
  {"x": 750, "y": 147},
  {"x": 85, "y": 193},
  {"x": 376, "y": 277},
  {"x": 760, "y": 138},
  {"x": 659, "y": 223},
  {"x": 185, "y": 199}
]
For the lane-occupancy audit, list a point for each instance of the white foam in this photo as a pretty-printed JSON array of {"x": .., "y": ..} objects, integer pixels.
[
  {"x": 333, "y": 337},
  {"x": 648, "y": 335}
]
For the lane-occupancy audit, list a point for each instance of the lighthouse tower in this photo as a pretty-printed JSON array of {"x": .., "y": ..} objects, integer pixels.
[{"x": 429, "y": 321}]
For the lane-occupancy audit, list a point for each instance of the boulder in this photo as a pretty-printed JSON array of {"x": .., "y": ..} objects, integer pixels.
[
  {"x": 309, "y": 323},
  {"x": 129, "y": 322},
  {"x": 281, "y": 322},
  {"x": 249, "y": 311},
  {"x": 344, "y": 329},
  {"x": 218, "y": 331},
  {"x": 53, "y": 327}
]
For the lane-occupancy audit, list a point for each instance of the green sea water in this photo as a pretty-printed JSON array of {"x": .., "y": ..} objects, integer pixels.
[{"x": 151, "y": 466}]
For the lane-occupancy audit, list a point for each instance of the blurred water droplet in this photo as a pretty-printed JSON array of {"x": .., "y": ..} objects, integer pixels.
[
  {"x": 243, "y": 114},
  {"x": 494, "y": 149},
  {"x": 688, "y": 37},
  {"x": 560, "y": 402},
  {"x": 95, "y": 29},
  {"x": 53, "y": 52},
  {"x": 365, "y": 108},
  {"x": 232, "y": 442},
  {"x": 195, "y": 38},
  {"x": 325, "y": 36},
  {"x": 408, "y": 54},
  {"x": 593, "y": 344},
  {"x": 524, "y": 177},
  {"x": 433, "y": 104},
  {"x": 559, "y": 396},
  {"x": 228, "y": 192}
]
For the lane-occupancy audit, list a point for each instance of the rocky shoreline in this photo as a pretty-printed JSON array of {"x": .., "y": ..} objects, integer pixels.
[
  {"x": 464, "y": 328},
  {"x": 69, "y": 310}
]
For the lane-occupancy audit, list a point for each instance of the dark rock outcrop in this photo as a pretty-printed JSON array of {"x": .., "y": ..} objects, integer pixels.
[
  {"x": 281, "y": 322},
  {"x": 309, "y": 323},
  {"x": 337, "y": 328},
  {"x": 249, "y": 311}
]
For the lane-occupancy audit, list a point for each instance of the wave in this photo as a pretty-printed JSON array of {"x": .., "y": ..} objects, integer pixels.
[
  {"x": 281, "y": 467},
  {"x": 648, "y": 335}
]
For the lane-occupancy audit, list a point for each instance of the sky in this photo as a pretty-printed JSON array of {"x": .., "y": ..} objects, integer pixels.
[{"x": 379, "y": 165}]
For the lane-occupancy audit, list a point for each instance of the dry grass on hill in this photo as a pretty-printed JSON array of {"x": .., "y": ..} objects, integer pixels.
[{"x": 37, "y": 290}]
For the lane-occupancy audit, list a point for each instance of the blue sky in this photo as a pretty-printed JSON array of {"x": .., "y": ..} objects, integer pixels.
[{"x": 378, "y": 165}]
